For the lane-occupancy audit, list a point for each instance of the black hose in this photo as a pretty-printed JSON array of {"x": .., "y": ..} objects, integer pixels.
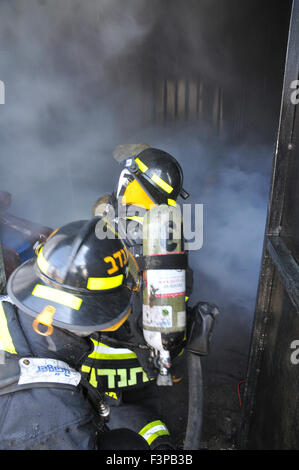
[{"x": 195, "y": 403}]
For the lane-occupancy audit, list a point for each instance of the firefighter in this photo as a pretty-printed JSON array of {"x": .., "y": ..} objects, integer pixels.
[
  {"x": 152, "y": 177},
  {"x": 63, "y": 364}
]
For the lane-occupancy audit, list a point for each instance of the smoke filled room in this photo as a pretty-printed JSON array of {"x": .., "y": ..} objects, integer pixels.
[{"x": 149, "y": 255}]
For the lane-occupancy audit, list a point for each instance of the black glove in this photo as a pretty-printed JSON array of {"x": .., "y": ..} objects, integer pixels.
[
  {"x": 121, "y": 439},
  {"x": 200, "y": 324}
]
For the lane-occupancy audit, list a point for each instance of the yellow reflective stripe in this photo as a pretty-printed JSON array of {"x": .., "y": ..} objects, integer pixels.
[
  {"x": 142, "y": 167},
  {"x": 6, "y": 342},
  {"x": 171, "y": 202},
  {"x": 96, "y": 355},
  {"x": 165, "y": 186},
  {"x": 102, "y": 283},
  {"x": 42, "y": 263},
  {"x": 150, "y": 426},
  {"x": 186, "y": 299},
  {"x": 151, "y": 431},
  {"x": 58, "y": 296},
  {"x": 102, "y": 351}
]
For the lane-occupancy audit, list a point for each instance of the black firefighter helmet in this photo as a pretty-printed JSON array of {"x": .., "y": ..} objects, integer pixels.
[
  {"x": 159, "y": 174},
  {"x": 82, "y": 279}
]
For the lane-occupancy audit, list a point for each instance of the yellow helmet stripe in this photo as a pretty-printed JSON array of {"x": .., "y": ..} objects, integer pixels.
[
  {"x": 171, "y": 202},
  {"x": 142, "y": 167},
  {"x": 58, "y": 296},
  {"x": 155, "y": 178},
  {"x": 161, "y": 183},
  {"x": 102, "y": 283}
]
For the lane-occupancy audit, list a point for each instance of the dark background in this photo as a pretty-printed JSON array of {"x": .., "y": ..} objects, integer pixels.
[{"x": 200, "y": 79}]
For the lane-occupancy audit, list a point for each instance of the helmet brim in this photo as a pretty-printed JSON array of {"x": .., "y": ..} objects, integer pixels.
[{"x": 96, "y": 312}]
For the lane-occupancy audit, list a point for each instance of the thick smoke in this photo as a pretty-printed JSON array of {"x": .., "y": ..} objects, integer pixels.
[
  {"x": 77, "y": 84},
  {"x": 67, "y": 101},
  {"x": 233, "y": 185},
  {"x": 76, "y": 76}
]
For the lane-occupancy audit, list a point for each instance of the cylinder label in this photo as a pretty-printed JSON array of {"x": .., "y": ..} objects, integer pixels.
[
  {"x": 166, "y": 282},
  {"x": 157, "y": 316}
]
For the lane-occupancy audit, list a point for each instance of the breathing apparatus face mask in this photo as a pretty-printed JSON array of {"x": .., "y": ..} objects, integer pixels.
[{"x": 129, "y": 191}]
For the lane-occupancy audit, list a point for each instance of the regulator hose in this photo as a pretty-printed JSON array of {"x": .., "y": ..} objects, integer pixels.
[{"x": 195, "y": 402}]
